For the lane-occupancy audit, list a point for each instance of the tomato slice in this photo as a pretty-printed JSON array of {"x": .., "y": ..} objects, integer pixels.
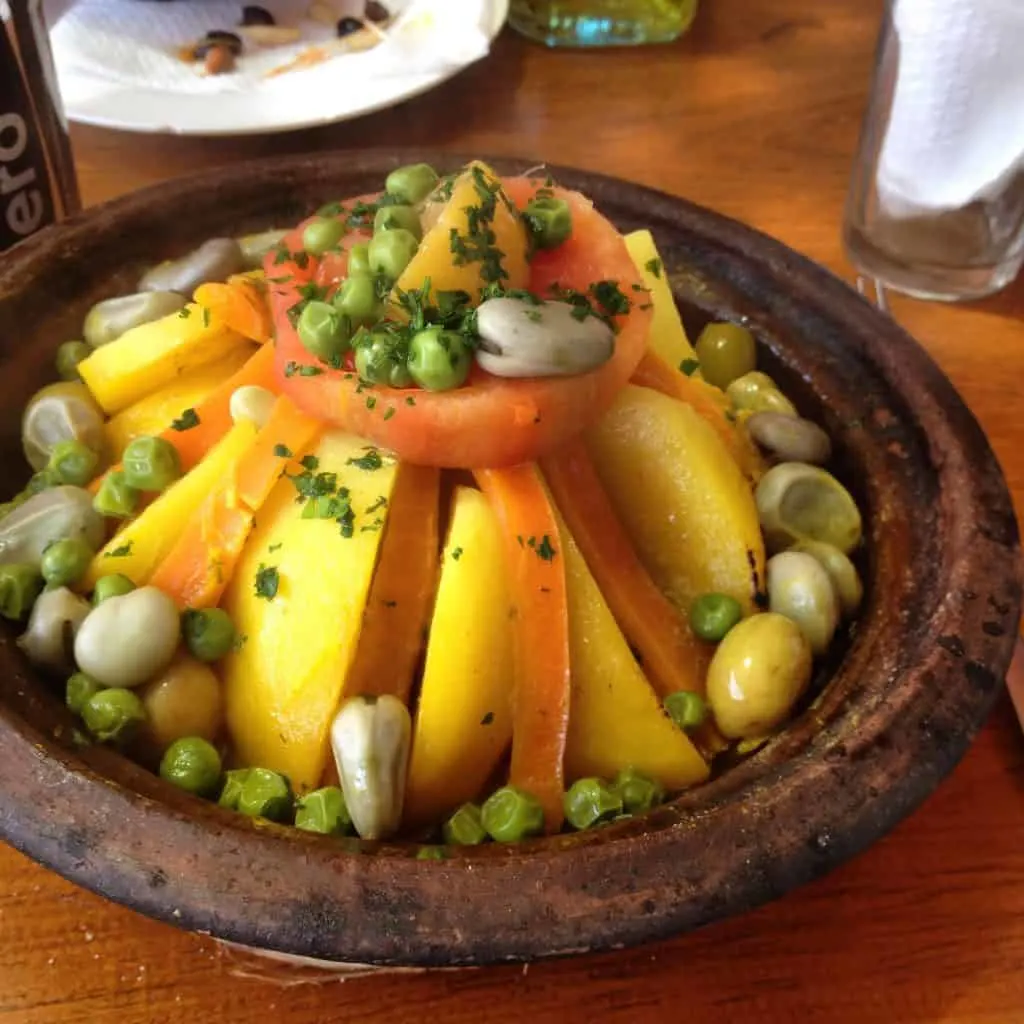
[{"x": 490, "y": 421}]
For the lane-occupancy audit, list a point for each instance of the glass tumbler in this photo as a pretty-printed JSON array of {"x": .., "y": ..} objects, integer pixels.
[
  {"x": 936, "y": 201},
  {"x": 602, "y": 22},
  {"x": 37, "y": 177}
]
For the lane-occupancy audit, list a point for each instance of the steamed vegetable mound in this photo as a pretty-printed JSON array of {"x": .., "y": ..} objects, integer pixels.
[{"x": 424, "y": 518}]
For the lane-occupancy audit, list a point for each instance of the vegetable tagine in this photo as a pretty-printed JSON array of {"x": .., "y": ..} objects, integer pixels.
[{"x": 424, "y": 519}]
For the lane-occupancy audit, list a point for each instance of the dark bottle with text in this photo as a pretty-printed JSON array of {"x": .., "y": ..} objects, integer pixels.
[{"x": 37, "y": 178}]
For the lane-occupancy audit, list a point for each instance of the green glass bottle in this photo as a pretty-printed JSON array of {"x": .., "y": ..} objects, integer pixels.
[{"x": 602, "y": 22}]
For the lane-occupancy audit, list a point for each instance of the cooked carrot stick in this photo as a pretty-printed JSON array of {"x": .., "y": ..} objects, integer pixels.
[
  {"x": 200, "y": 564},
  {"x": 540, "y": 704},
  {"x": 241, "y": 303},
  {"x": 671, "y": 656},
  {"x": 213, "y": 416},
  {"x": 402, "y": 592},
  {"x": 707, "y": 401}
]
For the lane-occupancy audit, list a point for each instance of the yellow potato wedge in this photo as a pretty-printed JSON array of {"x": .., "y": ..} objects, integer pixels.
[
  {"x": 157, "y": 411},
  {"x": 150, "y": 356},
  {"x": 285, "y": 682},
  {"x": 464, "y": 721},
  {"x": 683, "y": 500},
  {"x": 142, "y": 544},
  {"x": 615, "y": 718},
  {"x": 667, "y": 336}
]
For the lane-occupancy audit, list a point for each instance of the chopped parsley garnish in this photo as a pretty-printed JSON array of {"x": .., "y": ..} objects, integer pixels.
[
  {"x": 534, "y": 315},
  {"x": 240, "y": 641},
  {"x": 410, "y": 400},
  {"x": 312, "y": 292},
  {"x": 380, "y": 503},
  {"x": 292, "y": 369},
  {"x": 186, "y": 421},
  {"x": 456, "y": 553},
  {"x": 477, "y": 245},
  {"x": 282, "y": 451},
  {"x": 389, "y": 412},
  {"x": 310, "y": 462},
  {"x": 267, "y": 582},
  {"x": 610, "y": 297},
  {"x": 689, "y": 367},
  {"x": 372, "y": 527},
  {"x": 206, "y": 317},
  {"x": 444, "y": 190},
  {"x": 184, "y": 313},
  {"x": 120, "y": 552},
  {"x": 274, "y": 547},
  {"x": 371, "y": 402},
  {"x": 543, "y": 547},
  {"x": 334, "y": 209},
  {"x": 325, "y": 507},
  {"x": 370, "y": 461},
  {"x": 488, "y": 718},
  {"x": 653, "y": 266}
]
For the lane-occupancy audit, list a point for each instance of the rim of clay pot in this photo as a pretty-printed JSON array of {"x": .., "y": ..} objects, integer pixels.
[{"x": 903, "y": 702}]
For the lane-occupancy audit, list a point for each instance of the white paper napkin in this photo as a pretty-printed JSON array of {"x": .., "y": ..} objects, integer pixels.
[
  {"x": 956, "y": 129},
  {"x": 133, "y": 42}
]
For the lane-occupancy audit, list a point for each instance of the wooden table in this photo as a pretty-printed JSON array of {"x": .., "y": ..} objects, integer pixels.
[{"x": 755, "y": 114}]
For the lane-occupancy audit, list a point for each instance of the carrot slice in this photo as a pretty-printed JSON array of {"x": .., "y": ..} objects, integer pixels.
[
  {"x": 540, "y": 704},
  {"x": 401, "y": 595},
  {"x": 198, "y": 567},
  {"x": 213, "y": 416},
  {"x": 707, "y": 401},
  {"x": 671, "y": 656},
  {"x": 241, "y": 303}
]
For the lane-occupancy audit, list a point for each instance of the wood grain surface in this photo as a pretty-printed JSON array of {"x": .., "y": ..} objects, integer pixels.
[{"x": 754, "y": 114}]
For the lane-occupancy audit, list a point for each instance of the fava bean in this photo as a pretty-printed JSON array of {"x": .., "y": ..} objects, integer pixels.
[
  {"x": 60, "y": 412},
  {"x": 800, "y": 588},
  {"x": 59, "y": 513},
  {"x": 214, "y": 260},
  {"x": 111, "y": 318},
  {"x": 790, "y": 438}
]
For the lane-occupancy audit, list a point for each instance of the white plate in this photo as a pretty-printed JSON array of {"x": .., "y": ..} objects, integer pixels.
[{"x": 125, "y": 95}]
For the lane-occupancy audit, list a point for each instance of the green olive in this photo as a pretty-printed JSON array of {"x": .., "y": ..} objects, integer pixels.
[
  {"x": 726, "y": 352},
  {"x": 757, "y": 392},
  {"x": 757, "y": 675},
  {"x": 60, "y": 412},
  {"x": 800, "y": 588},
  {"x": 69, "y": 355},
  {"x": 842, "y": 572},
  {"x": 798, "y": 502}
]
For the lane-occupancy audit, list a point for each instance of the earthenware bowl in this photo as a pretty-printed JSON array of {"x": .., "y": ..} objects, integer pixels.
[{"x": 898, "y": 706}]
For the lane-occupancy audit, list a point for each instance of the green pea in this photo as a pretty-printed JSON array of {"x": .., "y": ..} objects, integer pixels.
[
  {"x": 412, "y": 183},
  {"x": 73, "y": 462},
  {"x": 65, "y": 562},
  {"x": 113, "y": 715},
  {"x": 69, "y": 355},
  {"x": 549, "y": 221},
  {"x": 80, "y": 687},
  {"x": 726, "y": 352},
  {"x": 324, "y": 331},
  {"x": 20, "y": 585},
  {"x": 465, "y": 827},
  {"x": 231, "y": 793},
  {"x": 686, "y": 709},
  {"x": 713, "y": 615},
  {"x": 390, "y": 252},
  {"x": 192, "y": 764},
  {"x": 357, "y": 299},
  {"x": 209, "y": 633},
  {"x": 116, "y": 497},
  {"x": 637, "y": 792},
  {"x": 324, "y": 811},
  {"x": 322, "y": 234},
  {"x": 590, "y": 801},
  {"x": 359, "y": 260},
  {"x": 266, "y": 794},
  {"x": 509, "y": 814},
  {"x": 439, "y": 360},
  {"x": 151, "y": 463},
  {"x": 115, "y": 585},
  {"x": 390, "y": 218},
  {"x": 382, "y": 358}
]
